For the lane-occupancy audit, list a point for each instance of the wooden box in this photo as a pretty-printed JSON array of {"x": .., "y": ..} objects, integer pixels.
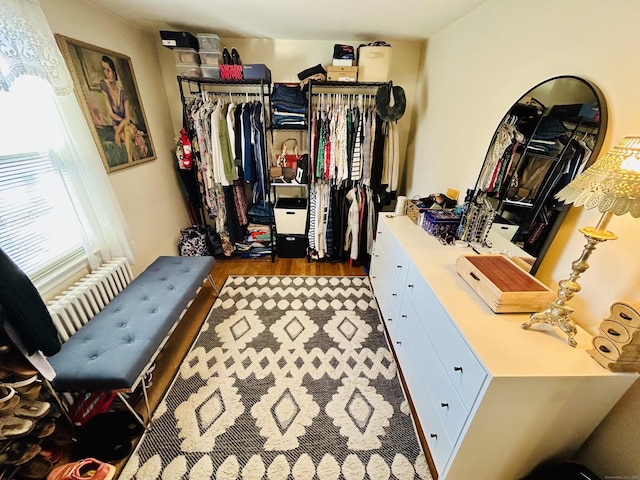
[{"x": 504, "y": 286}]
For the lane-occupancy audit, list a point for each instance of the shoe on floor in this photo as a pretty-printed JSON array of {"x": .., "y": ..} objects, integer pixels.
[{"x": 88, "y": 468}]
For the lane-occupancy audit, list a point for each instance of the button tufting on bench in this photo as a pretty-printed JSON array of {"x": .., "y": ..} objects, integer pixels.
[{"x": 123, "y": 360}]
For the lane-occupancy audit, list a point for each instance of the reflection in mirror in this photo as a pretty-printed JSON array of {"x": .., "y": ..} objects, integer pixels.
[{"x": 552, "y": 133}]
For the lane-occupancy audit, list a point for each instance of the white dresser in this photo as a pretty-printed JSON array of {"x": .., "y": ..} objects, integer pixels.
[{"x": 493, "y": 400}]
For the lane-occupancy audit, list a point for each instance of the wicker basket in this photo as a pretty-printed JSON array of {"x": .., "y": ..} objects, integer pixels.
[{"x": 413, "y": 211}]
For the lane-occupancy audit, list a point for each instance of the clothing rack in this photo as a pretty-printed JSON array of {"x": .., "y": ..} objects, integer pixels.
[
  {"x": 237, "y": 91},
  {"x": 344, "y": 200}
]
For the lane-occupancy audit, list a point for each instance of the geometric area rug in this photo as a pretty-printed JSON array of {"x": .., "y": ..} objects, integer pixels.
[{"x": 289, "y": 378}]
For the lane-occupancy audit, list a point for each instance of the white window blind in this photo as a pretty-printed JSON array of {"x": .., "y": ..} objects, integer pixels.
[
  {"x": 41, "y": 220},
  {"x": 39, "y": 226}
]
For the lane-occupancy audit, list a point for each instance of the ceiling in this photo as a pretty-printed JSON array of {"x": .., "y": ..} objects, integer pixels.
[{"x": 411, "y": 20}]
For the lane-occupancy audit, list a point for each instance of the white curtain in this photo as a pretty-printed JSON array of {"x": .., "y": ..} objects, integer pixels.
[{"x": 28, "y": 47}]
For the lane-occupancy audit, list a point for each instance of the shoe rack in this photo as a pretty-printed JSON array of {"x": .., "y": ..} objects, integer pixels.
[{"x": 33, "y": 433}]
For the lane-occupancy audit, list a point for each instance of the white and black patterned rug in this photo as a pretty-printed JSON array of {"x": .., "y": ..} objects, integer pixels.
[{"x": 289, "y": 378}]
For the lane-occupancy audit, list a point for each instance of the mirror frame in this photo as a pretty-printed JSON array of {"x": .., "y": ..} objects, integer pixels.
[{"x": 602, "y": 128}]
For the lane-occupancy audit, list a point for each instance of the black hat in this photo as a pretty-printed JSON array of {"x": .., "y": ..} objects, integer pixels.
[{"x": 312, "y": 71}]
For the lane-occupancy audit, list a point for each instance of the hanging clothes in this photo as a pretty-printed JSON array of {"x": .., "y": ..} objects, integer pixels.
[
  {"x": 354, "y": 161},
  {"x": 229, "y": 144}
]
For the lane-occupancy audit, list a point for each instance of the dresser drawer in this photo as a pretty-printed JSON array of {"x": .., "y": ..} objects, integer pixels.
[
  {"x": 432, "y": 376},
  {"x": 460, "y": 363},
  {"x": 385, "y": 291},
  {"x": 396, "y": 255},
  {"x": 440, "y": 445}
]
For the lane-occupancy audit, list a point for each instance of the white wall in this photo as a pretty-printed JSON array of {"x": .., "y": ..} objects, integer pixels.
[
  {"x": 149, "y": 194},
  {"x": 474, "y": 71}
]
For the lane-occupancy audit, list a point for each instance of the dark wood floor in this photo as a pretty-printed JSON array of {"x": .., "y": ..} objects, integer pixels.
[{"x": 178, "y": 345}]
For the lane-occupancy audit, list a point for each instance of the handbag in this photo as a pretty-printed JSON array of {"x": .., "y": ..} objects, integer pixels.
[
  {"x": 194, "y": 242},
  {"x": 302, "y": 169},
  {"x": 286, "y": 159}
]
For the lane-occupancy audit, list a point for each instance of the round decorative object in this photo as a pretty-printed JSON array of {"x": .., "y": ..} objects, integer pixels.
[{"x": 386, "y": 111}]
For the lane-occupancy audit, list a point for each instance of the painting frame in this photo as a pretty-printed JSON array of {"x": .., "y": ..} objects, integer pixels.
[{"x": 107, "y": 90}]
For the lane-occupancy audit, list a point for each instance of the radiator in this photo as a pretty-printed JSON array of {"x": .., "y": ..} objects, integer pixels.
[{"x": 86, "y": 298}]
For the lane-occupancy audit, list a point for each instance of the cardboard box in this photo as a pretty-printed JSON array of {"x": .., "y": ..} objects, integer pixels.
[
  {"x": 374, "y": 64},
  {"x": 256, "y": 71},
  {"x": 342, "y": 73},
  {"x": 504, "y": 286}
]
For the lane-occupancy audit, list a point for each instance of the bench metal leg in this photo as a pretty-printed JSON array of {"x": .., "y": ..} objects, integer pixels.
[
  {"x": 146, "y": 425},
  {"x": 213, "y": 284},
  {"x": 61, "y": 403}
]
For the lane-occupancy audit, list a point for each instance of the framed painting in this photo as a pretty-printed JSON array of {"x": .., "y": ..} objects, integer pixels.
[{"x": 108, "y": 94}]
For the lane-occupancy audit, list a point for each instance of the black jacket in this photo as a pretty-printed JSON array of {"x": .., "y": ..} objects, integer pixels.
[{"x": 24, "y": 309}]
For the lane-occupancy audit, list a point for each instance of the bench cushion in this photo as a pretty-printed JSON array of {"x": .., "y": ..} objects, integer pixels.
[{"x": 111, "y": 351}]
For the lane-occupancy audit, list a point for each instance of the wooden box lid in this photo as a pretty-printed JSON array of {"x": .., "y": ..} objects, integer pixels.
[{"x": 504, "y": 286}]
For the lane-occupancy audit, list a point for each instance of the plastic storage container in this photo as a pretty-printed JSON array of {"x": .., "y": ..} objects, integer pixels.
[
  {"x": 209, "y": 42},
  {"x": 188, "y": 70},
  {"x": 186, "y": 56},
  {"x": 209, "y": 71},
  {"x": 210, "y": 58}
]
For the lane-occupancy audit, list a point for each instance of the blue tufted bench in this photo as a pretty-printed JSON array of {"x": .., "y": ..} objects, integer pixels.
[{"x": 113, "y": 351}]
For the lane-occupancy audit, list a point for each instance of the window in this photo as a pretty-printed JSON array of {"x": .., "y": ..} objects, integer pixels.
[{"x": 42, "y": 225}]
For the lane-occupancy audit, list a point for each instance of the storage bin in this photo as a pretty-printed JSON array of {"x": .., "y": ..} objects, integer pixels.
[
  {"x": 210, "y": 71},
  {"x": 186, "y": 56},
  {"x": 291, "y": 246},
  {"x": 188, "y": 70},
  {"x": 342, "y": 74},
  {"x": 374, "y": 64},
  {"x": 256, "y": 71},
  {"x": 210, "y": 58},
  {"x": 178, "y": 39},
  {"x": 291, "y": 215},
  {"x": 209, "y": 42}
]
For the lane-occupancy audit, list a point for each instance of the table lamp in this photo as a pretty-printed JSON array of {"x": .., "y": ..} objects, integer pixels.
[{"x": 612, "y": 184}]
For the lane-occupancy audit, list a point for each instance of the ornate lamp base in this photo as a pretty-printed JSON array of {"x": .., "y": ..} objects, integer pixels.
[{"x": 557, "y": 313}]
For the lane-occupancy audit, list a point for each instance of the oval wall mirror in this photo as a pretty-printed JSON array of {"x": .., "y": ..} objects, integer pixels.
[{"x": 549, "y": 135}]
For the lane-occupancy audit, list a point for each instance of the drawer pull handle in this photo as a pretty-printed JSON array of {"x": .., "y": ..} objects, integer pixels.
[
  {"x": 399, "y": 266},
  {"x": 374, "y": 277},
  {"x": 389, "y": 319},
  {"x": 398, "y": 343},
  {"x": 376, "y": 255},
  {"x": 444, "y": 405},
  {"x": 457, "y": 369},
  {"x": 394, "y": 294},
  {"x": 474, "y": 276},
  {"x": 403, "y": 316},
  {"x": 611, "y": 331},
  {"x": 410, "y": 286},
  {"x": 433, "y": 435}
]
